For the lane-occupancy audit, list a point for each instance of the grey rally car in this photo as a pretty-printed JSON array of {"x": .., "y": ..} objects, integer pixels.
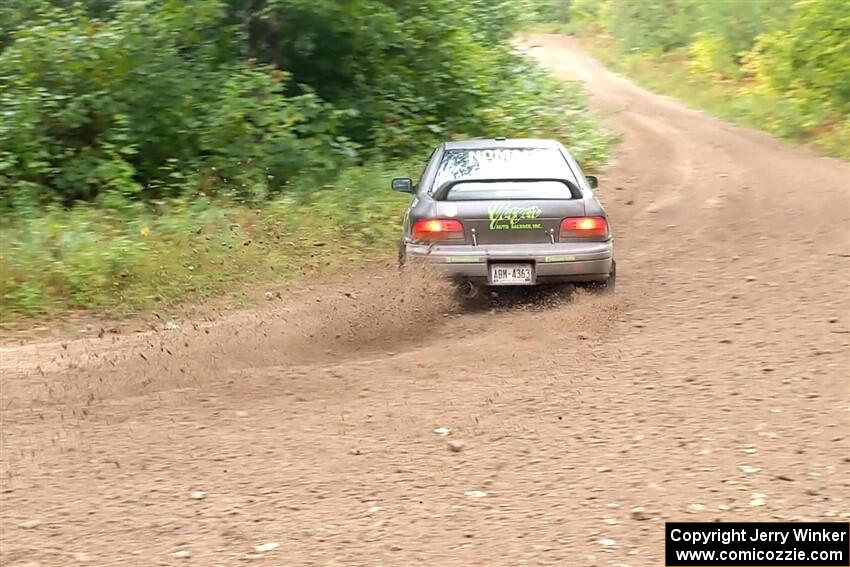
[{"x": 507, "y": 212}]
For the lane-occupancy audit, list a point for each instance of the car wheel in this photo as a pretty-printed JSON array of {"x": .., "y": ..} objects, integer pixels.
[
  {"x": 470, "y": 294},
  {"x": 609, "y": 285},
  {"x": 605, "y": 287},
  {"x": 564, "y": 290},
  {"x": 402, "y": 255}
]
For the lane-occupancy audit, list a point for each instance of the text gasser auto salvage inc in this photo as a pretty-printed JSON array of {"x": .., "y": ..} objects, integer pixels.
[{"x": 504, "y": 216}]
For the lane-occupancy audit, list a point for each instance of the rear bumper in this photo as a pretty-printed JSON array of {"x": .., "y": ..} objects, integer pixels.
[{"x": 553, "y": 263}]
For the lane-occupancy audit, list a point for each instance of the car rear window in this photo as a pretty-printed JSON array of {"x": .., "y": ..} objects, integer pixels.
[
  {"x": 505, "y": 163},
  {"x": 478, "y": 191}
]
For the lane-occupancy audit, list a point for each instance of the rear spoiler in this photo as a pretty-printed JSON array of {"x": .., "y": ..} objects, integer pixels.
[{"x": 442, "y": 191}]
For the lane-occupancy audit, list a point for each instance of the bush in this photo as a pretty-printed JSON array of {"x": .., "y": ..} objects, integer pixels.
[
  {"x": 150, "y": 99},
  {"x": 784, "y": 61},
  {"x": 129, "y": 257},
  {"x": 153, "y": 150},
  {"x": 808, "y": 60},
  {"x": 140, "y": 107}
]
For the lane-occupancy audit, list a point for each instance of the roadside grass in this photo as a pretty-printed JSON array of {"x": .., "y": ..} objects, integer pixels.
[
  {"x": 132, "y": 257},
  {"x": 121, "y": 258},
  {"x": 670, "y": 74}
]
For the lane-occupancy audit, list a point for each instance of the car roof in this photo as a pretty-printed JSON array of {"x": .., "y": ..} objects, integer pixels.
[{"x": 479, "y": 144}]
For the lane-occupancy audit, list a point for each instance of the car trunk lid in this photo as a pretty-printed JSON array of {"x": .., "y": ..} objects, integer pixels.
[{"x": 511, "y": 221}]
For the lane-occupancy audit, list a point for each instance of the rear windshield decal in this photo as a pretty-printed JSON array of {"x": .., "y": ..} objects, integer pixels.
[
  {"x": 495, "y": 163},
  {"x": 503, "y": 216}
]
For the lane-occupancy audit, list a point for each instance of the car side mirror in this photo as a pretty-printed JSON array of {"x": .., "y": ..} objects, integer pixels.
[
  {"x": 403, "y": 185},
  {"x": 592, "y": 181}
]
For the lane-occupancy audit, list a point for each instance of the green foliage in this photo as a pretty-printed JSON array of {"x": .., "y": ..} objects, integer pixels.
[
  {"x": 654, "y": 26},
  {"x": 781, "y": 65},
  {"x": 135, "y": 132},
  {"x": 141, "y": 106},
  {"x": 809, "y": 59},
  {"x": 154, "y": 98},
  {"x": 125, "y": 258},
  {"x": 648, "y": 25},
  {"x": 550, "y": 13},
  {"x": 413, "y": 71}
]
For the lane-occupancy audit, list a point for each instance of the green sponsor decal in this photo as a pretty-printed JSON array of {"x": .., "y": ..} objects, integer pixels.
[
  {"x": 503, "y": 216},
  {"x": 559, "y": 258},
  {"x": 463, "y": 259}
]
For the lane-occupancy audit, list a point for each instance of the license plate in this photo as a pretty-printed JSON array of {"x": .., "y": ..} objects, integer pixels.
[{"x": 511, "y": 274}]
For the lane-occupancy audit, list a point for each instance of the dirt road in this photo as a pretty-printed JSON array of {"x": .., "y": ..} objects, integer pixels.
[{"x": 714, "y": 386}]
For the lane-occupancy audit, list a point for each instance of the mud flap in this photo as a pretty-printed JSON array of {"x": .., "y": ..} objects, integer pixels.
[{"x": 402, "y": 254}]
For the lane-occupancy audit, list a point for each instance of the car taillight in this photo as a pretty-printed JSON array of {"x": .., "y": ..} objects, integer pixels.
[
  {"x": 430, "y": 230},
  {"x": 583, "y": 227}
]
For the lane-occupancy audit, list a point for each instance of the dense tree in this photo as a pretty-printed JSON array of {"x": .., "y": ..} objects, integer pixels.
[
  {"x": 794, "y": 54},
  {"x": 151, "y": 98},
  {"x": 808, "y": 60}
]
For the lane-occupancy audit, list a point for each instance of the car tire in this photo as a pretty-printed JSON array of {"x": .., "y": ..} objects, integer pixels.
[
  {"x": 564, "y": 290},
  {"x": 402, "y": 255},
  {"x": 470, "y": 295},
  {"x": 609, "y": 285},
  {"x": 603, "y": 287}
]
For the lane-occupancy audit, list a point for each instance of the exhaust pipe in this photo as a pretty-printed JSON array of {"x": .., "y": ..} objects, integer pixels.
[{"x": 468, "y": 290}]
